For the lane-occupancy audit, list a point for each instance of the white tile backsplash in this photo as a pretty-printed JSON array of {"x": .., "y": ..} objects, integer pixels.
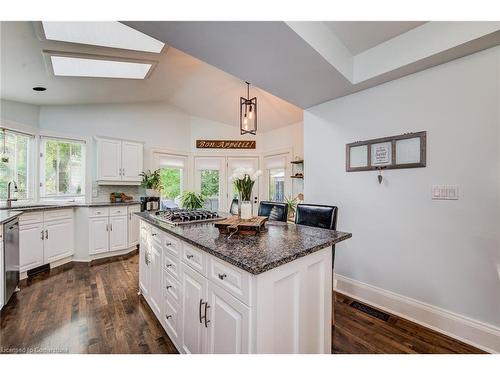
[{"x": 103, "y": 192}]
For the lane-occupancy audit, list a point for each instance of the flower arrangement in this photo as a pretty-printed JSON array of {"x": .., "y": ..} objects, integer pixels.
[{"x": 243, "y": 180}]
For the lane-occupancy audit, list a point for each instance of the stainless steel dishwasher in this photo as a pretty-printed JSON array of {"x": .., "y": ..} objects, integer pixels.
[{"x": 11, "y": 258}]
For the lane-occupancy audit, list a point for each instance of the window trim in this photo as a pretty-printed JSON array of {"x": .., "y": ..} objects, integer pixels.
[
  {"x": 41, "y": 169},
  {"x": 31, "y": 165}
]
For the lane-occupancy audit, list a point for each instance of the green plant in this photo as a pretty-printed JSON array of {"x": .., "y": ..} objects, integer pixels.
[
  {"x": 243, "y": 180},
  {"x": 191, "y": 200},
  {"x": 151, "y": 180},
  {"x": 292, "y": 205}
]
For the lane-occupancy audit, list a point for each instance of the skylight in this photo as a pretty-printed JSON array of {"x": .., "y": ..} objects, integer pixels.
[
  {"x": 106, "y": 34},
  {"x": 83, "y": 67}
]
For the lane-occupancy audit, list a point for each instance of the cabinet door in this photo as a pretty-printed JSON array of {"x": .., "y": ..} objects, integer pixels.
[
  {"x": 118, "y": 239},
  {"x": 194, "y": 292},
  {"x": 109, "y": 155},
  {"x": 144, "y": 273},
  {"x": 133, "y": 225},
  {"x": 30, "y": 246},
  {"x": 228, "y": 323},
  {"x": 59, "y": 240},
  {"x": 155, "y": 292},
  {"x": 132, "y": 153},
  {"x": 98, "y": 235}
]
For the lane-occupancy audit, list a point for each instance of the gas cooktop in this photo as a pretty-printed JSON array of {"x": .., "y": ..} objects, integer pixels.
[{"x": 178, "y": 216}]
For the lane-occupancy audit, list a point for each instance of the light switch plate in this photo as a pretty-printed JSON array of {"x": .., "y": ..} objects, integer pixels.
[{"x": 445, "y": 192}]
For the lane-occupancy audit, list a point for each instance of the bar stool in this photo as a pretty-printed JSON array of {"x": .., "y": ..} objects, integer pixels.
[{"x": 275, "y": 211}]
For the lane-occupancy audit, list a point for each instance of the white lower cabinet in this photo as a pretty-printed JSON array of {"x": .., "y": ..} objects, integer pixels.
[
  {"x": 98, "y": 235},
  {"x": 133, "y": 225},
  {"x": 107, "y": 233},
  {"x": 155, "y": 291},
  {"x": 144, "y": 269},
  {"x": 118, "y": 238},
  {"x": 45, "y": 238}
]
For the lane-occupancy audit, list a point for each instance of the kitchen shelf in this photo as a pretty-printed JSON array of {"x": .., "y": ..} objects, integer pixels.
[
  {"x": 297, "y": 177},
  {"x": 297, "y": 162}
]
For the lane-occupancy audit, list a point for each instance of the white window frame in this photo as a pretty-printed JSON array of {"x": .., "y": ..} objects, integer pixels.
[
  {"x": 156, "y": 154},
  {"x": 41, "y": 169},
  {"x": 30, "y": 181},
  {"x": 287, "y": 154}
]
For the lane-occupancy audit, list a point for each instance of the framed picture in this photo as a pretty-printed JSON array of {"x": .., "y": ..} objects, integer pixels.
[{"x": 400, "y": 151}]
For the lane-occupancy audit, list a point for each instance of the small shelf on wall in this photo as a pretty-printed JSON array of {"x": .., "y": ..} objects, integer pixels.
[
  {"x": 297, "y": 162},
  {"x": 297, "y": 177}
]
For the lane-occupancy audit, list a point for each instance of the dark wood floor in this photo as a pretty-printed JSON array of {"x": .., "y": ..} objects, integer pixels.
[{"x": 81, "y": 309}]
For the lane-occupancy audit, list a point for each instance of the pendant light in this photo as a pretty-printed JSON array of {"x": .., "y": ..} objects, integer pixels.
[
  {"x": 5, "y": 155},
  {"x": 248, "y": 113}
]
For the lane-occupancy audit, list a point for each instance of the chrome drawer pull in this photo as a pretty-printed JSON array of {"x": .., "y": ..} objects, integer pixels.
[
  {"x": 168, "y": 287},
  {"x": 168, "y": 244},
  {"x": 168, "y": 316},
  {"x": 222, "y": 276},
  {"x": 190, "y": 256},
  {"x": 169, "y": 265}
]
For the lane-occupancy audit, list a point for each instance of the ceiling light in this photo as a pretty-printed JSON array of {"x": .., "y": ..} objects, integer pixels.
[
  {"x": 88, "y": 67},
  {"x": 39, "y": 88},
  {"x": 106, "y": 34},
  {"x": 248, "y": 114}
]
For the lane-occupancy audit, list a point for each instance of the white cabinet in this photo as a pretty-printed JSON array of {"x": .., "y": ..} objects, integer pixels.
[
  {"x": 118, "y": 238},
  {"x": 132, "y": 154},
  {"x": 228, "y": 322},
  {"x": 144, "y": 270},
  {"x": 119, "y": 161},
  {"x": 58, "y": 234},
  {"x": 155, "y": 291},
  {"x": 98, "y": 235},
  {"x": 31, "y": 238},
  {"x": 194, "y": 299},
  {"x": 133, "y": 225},
  {"x": 45, "y": 237}
]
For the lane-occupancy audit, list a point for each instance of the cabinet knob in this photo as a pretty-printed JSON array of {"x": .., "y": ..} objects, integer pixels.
[
  {"x": 168, "y": 316},
  {"x": 190, "y": 256},
  {"x": 222, "y": 276},
  {"x": 168, "y": 287},
  {"x": 169, "y": 265},
  {"x": 168, "y": 244},
  {"x": 153, "y": 234}
]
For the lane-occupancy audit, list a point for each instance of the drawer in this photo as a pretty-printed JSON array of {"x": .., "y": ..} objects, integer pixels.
[
  {"x": 195, "y": 258},
  {"x": 232, "y": 279},
  {"x": 158, "y": 236},
  {"x": 172, "y": 245},
  {"x": 118, "y": 211},
  {"x": 171, "y": 288},
  {"x": 98, "y": 211},
  {"x": 171, "y": 320},
  {"x": 145, "y": 226},
  {"x": 31, "y": 218},
  {"x": 62, "y": 214},
  {"x": 171, "y": 265}
]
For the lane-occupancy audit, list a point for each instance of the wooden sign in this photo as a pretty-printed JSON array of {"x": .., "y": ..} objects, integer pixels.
[{"x": 236, "y": 144}]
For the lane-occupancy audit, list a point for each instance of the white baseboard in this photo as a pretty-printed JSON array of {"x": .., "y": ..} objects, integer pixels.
[{"x": 467, "y": 330}]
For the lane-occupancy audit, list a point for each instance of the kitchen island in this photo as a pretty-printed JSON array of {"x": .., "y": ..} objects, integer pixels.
[{"x": 269, "y": 293}]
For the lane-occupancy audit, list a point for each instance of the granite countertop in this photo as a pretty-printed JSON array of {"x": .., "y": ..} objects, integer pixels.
[
  {"x": 42, "y": 207},
  {"x": 280, "y": 243},
  {"x": 6, "y": 215}
]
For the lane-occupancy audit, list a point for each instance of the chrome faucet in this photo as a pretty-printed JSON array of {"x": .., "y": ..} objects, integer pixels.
[{"x": 9, "y": 199}]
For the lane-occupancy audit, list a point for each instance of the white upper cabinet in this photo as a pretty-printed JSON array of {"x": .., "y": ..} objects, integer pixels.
[{"x": 119, "y": 161}]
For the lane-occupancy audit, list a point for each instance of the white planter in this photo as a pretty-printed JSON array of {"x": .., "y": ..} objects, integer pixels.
[
  {"x": 151, "y": 193},
  {"x": 246, "y": 210}
]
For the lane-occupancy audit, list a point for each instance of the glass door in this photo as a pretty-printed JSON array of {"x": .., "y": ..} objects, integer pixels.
[
  {"x": 209, "y": 181},
  {"x": 234, "y": 163}
]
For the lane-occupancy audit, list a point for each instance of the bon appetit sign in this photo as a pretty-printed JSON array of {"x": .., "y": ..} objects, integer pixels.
[{"x": 201, "y": 143}]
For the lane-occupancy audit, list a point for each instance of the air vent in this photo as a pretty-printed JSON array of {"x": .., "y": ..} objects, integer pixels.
[{"x": 370, "y": 311}]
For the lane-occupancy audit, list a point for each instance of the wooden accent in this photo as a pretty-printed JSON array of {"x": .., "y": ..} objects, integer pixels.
[
  {"x": 80, "y": 309},
  {"x": 297, "y": 162},
  {"x": 356, "y": 332},
  {"x": 393, "y": 139},
  {"x": 297, "y": 176},
  {"x": 252, "y": 226},
  {"x": 227, "y": 144}
]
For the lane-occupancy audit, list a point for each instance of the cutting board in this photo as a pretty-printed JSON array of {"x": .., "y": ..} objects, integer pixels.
[{"x": 234, "y": 224}]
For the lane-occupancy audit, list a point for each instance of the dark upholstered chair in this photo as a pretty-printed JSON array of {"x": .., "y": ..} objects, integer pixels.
[
  {"x": 314, "y": 215},
  {"x": 275, "y": 211}
]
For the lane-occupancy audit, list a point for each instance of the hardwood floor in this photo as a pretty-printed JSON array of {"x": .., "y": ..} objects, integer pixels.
[{"x": 82, "y": 309}]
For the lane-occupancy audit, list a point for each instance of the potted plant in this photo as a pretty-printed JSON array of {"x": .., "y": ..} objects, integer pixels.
[
  {"x": 243, "y": 180},
  {"x": 292, "y": 205},
  {"x": 191, "y": 200},
  {"x": 151, "y": 181}
]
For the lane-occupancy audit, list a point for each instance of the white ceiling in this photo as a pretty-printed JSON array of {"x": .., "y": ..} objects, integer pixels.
[
  {"x": 179, "y": 79},
  {"x": 358, "y": 36}
]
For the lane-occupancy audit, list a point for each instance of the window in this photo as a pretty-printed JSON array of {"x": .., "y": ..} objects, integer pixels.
[
  {"x": 277, "y": 184},
  {"x": 15, "y": 164},
  {"x": 172, "y": 176},
  {"x": 171, "y": 183},
  {"x": 62, "y": 168},
  {"x": 210, "y": 188}
]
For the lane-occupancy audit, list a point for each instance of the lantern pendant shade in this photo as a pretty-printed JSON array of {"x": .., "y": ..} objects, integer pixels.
[{"x": 248, "y": 114}]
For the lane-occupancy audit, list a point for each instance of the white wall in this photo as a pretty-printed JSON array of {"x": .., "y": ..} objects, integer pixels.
[
  {"x": 20, "y": 113},
  {"x": 443, "y": 253}
]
